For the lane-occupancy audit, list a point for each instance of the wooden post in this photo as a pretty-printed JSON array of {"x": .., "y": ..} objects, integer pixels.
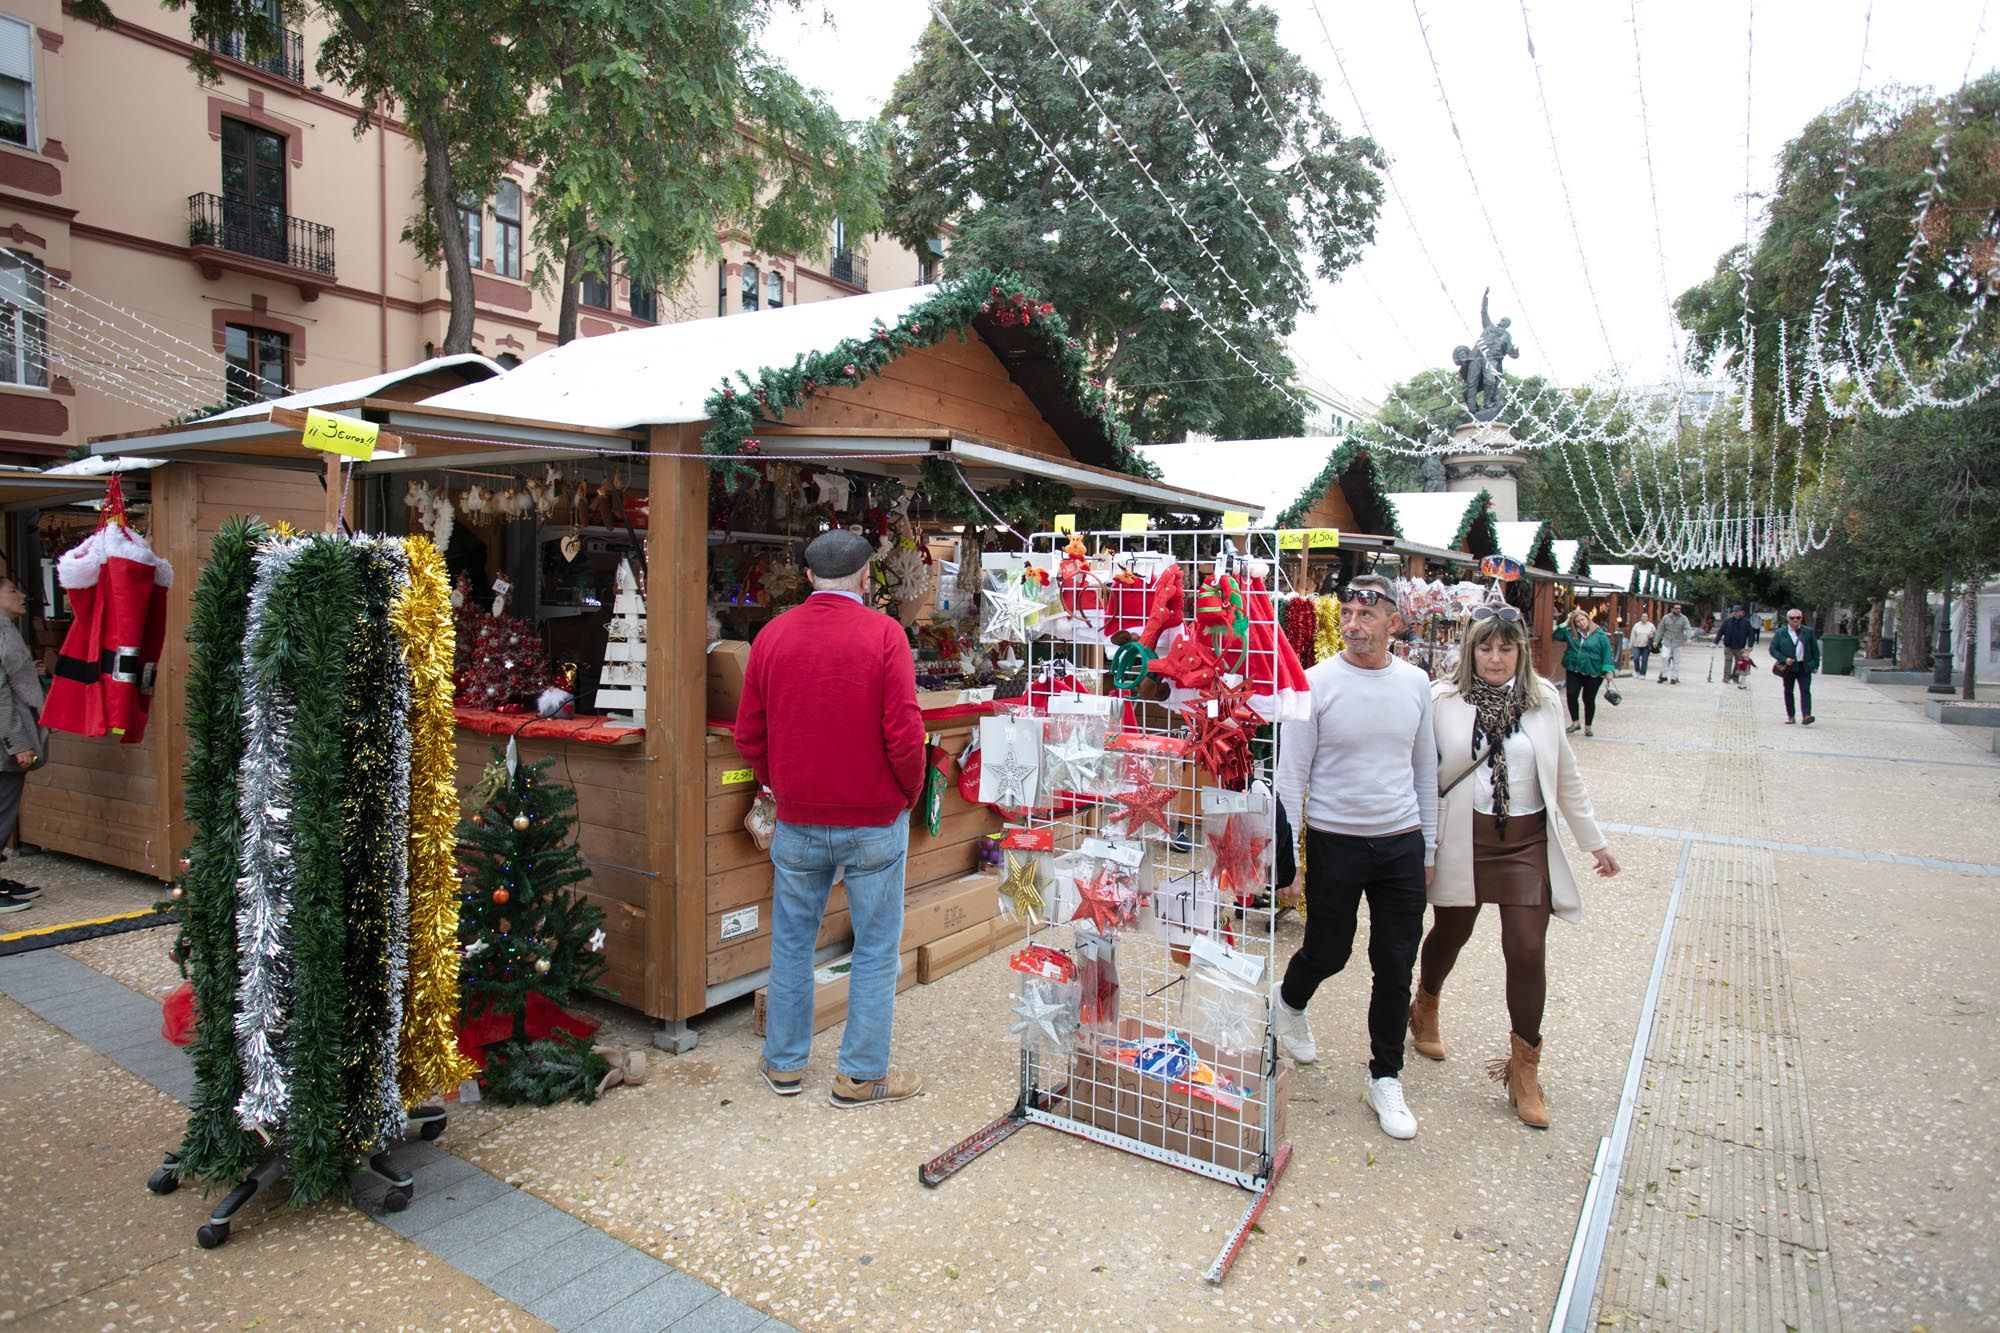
[
  {"x": 173, "y": 524},
  {"x": 336, "y": 486}
]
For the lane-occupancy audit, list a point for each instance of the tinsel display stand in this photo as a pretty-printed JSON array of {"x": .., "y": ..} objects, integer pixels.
[{"x": 319, "y": 896}]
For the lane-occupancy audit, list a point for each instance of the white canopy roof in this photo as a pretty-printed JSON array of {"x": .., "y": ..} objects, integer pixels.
[
  {"x": 664, "y": 374},
  {"x": 1566, "y": 554},
  {"x": 1618, "y": 576},
  {"x": 352, "y": 391},
  {"x": 1517, "y": 540},
  {"x": 1433, "y": 518},
  {"x": 1268, "y": 476}
]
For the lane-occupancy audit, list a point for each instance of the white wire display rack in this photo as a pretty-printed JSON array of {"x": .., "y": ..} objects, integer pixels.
[{"x": 1148, "y": 1027}]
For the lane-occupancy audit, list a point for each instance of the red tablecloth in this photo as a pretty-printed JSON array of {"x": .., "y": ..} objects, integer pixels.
[{"x": 594, "y": 730}]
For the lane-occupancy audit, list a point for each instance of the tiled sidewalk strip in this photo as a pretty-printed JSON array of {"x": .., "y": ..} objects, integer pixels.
[
  {"x": 1799, "y": 848},
  {"x": 555, "y": 1266}
]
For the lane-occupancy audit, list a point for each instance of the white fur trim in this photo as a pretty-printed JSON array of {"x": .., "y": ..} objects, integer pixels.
[{"x": 81, "y": 566}]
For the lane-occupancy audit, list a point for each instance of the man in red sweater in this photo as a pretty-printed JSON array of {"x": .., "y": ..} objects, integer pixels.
[{"x": 830, "y": 723}]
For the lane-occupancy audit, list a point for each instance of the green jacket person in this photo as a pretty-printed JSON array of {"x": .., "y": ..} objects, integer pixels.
[{"x": 1796, "y": 649}]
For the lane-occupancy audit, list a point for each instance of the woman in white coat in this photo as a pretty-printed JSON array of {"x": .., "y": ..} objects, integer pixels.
[{"x": 1503, "y": 764}]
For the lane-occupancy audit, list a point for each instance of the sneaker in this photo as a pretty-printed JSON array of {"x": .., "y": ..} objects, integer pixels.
[
  {"x": 1675, "y": 681},
  {"x": 897, "y": 1086},
  {"x": 1663, "y": 680},
  {"x": 16, "y": 889},
  {"x": 1809, "y": 719},
  {"x": 784, "y": 1084},
  {"x": 9, "y": 903},
  {"x": 1575, "y": 727},
  {"x": 1385, "y": 1098},
  {"x": 1588, "y": 732},
  {"x": 1791, "y": 721},
  {"x": 1295, "y": 1036}
]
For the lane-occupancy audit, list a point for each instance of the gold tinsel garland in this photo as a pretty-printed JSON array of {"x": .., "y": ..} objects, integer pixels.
[
  {"x": 1327, "y": 641},
  {"x": 430, "y": 1058}
]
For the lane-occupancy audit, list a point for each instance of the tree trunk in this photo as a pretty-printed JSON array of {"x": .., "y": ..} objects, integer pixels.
[
  {"x": 1875, "y": 628},
  {"x": 1968, "y": 616},
  {"x": 443, "y": 199},
  {"x": 572, "y": 280},
  {"x": 1913, "y": 646}
]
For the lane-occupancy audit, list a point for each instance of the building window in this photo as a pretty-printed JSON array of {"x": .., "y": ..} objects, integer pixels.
[
  {"x": 472, "y": 218},
  {"x": 930, "y": 259},
  {"x": 17, "y": 82},
  {"x": 506, "y": 361},
  {"x": 749, "y": 287},
  {"x": 645, "y": 301},
  {"x": 722, "y": 289},
  {"x": 507, "y": 230},
  {"x": 774, "y": 291},
  {"x": 253, "y": 191},
  {"x": 596, "y": 285},
  {"x": 23, "y": 323},
  {"x": 260, "y": 363}
]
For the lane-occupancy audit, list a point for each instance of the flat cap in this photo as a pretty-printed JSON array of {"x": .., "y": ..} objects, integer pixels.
[{"x": 836, "y": 554}]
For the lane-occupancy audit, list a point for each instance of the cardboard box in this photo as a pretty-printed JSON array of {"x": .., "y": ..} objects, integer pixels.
[
  {"x": 946, "y": 956},
  {"x": 1118, "y": 1098},
  {"x": 726, "y": 661},
  {"x": 938, "y": 910},
  {"x": 830, "y": 992}
]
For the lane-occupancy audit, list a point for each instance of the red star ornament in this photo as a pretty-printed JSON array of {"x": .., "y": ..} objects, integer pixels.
[
  {"x": 1106, "y": 899},
  {"x": 1238, "y": 858},
  {"x": 1222, "y": 738},
  {"x": 1143, "y": 805}
]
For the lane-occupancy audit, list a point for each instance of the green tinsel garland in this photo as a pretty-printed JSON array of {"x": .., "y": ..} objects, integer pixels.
[
  {"x": 215, "y": 1147},
  {"x": 735, "y": 413},
  {"x": 1348, "y": 455},
  {"x": 310, "y": 620},
  {"x": 371, "y": 842}
]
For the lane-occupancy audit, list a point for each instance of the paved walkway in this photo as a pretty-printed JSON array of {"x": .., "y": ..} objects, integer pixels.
[{"x": 1776, "y": 1035}]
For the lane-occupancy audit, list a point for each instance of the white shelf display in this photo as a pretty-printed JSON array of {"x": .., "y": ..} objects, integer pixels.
[{"x": 621, "y": 686}]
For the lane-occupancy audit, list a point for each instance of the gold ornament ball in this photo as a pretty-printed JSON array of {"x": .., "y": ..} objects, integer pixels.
[
  {"x": 500, "y": 897},
  {"x": 479, "y": 820},
  {"x": 541, "y": 965},
  {"x": 177, "y": 893},
  {"x": 520, "y": 823}
]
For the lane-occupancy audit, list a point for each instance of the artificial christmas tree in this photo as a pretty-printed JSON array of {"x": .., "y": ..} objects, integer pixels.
[{"x": 621, "y": 688}]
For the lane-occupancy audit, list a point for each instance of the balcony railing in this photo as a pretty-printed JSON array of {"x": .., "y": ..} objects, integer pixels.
[
  {"x": 288, "y": 61},
  {"x": 849, "y": 268},
  {"x": 260, "y": 231}
]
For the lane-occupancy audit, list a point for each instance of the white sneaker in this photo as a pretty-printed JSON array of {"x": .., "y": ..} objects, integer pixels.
[
  {"x": 1295, "y": 1038},
  {"x": 1385, "y": 1095}
]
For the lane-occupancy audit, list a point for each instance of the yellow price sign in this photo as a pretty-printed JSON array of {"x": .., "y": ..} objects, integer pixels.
[
  {"x": 1291, "y": 539},
  {"x": 339, "y": 435},
  {"x": 1134, "y": 522},
  {"x": 1322, "y": 539},
  {"x": 1065, "y": 523},
  {"x": 736, "y": 777},
  {"x": 1235, "y": 520}
]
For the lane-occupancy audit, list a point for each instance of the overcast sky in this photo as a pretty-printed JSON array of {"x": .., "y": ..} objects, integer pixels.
[{"x": 1388, "y": 317}]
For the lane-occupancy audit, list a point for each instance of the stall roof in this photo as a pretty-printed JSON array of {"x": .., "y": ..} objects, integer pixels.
[
  {"x": 1570, "y": 557},
  {"x": 1455, "y": 520},
  {"x": 1279, "y": 478},
  {"x": 1617, "y": 576},
  {"x": 1528, "y": 541},
  {"x": 373, "y": 386},
  {"x": 24, "y": 487}
]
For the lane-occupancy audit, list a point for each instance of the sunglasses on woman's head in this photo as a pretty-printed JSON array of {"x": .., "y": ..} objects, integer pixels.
[
  {"x": 1510, "y": 614},
  {"x": 1365, "y": 596}
]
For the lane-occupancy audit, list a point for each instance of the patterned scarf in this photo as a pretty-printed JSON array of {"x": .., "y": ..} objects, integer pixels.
[{"x": 1499, "y": 716}]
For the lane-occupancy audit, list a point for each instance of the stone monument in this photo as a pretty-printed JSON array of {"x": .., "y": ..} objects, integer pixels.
[{"x": 1483, "y": 454}]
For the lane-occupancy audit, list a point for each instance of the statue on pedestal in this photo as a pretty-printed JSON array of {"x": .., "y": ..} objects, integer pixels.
[{"x": 1482, "y": 366}]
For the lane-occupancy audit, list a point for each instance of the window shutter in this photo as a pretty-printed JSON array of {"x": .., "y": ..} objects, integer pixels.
[{"x": 17, "y": 50}]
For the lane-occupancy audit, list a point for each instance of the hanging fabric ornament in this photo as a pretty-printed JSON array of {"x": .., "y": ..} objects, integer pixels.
[
  {"x": 1125, "y": 598},
  {"x": 1221, "y": 613},
  {"x": 1078, "y": 586},
  {"x": 118, "y": 591},
  {"x": 1278, "y": 687},
  {"x": 1166, "y": 609},
  {"x": 1189, "y": 663},
  {"x": 1222, "y": 723}
]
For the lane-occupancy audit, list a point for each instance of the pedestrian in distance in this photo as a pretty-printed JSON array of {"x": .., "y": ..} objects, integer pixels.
[
  {"x": 1675, "y": 631},
  {"x": 1504, "y": 763},
  {"x": 1361, "y": 773},
  {"x": 1795, "y": 652},
  {"x": 1737, "y": 635},
  {"x": 1643, "y": 633},
  {"x": 1587, "y": 664},
  {"x": 20, "y": 717},
  {"x": 830, "y": 724}
]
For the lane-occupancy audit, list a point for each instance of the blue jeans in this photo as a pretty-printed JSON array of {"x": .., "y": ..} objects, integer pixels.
[
  {"x": 803, "y": 859},
  {"x": 1639, "y": 658}
]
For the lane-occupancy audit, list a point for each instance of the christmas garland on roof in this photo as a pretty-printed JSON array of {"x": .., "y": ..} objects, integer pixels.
[
  {"x": 736, "y": 410},
  {"x": 1351, "y": 454},
  {"x": 214, "y": 1146},
  {"x": 1480, "y": 511}
]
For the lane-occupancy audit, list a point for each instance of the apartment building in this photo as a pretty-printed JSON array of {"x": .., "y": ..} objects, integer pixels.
[{"x": 167, "y": 244}]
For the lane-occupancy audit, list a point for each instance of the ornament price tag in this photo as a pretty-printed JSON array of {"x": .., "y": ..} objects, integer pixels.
[
  {"x": 1235, "y": 520},
  {"x": 1064, "y": 523},
  {"x": 1219, "y": 801},
  {"x": 736, "y": 777},
  {"x": 1291, "y": 539},
  {"x": 1323, "y": 539},
  {"x": 1133, "y": 522},
  {"x": 1127, "y": 854},
  {"x": 339, "y": 435},
  {"x": 1243, "y": 966}
]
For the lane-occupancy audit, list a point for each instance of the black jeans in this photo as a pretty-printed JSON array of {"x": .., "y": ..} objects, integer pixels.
[
  {"x": 1389, "y": 872},
  {"x": 1575, "y": 684},
  {"x": 1802, "y": 679}
]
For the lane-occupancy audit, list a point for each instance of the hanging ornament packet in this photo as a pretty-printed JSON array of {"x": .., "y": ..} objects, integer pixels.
[
  {"x": 1010, "y": 761},
  {"x": 1222, "y": 1002},
  {"x": 1025, "y": 878},
  {"x": 1073, "y": 754},
  {"x": 1107, "y": 880},
  {"x": 1240, "y": 840},
  {"x": 1013, "y": 602},
  {"x": 1045, "y": 1017}
]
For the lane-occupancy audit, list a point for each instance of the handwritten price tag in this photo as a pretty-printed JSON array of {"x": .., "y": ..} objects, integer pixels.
[
  {"x": 339, "y": 435},
  {"x": 736, "y": 777},
  {"x": 1133, "y": 522}
]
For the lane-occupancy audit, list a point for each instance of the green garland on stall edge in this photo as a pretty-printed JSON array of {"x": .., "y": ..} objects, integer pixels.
[
  {"x": 734, "y": 414},
  {"x": 214, "y": 1147},
  {"x": 310, "y": 620},
  {"x": 1351, "y": 453},
  {"x": 1478, "y": 513}
]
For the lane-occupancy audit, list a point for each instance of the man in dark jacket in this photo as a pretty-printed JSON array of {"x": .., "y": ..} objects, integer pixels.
[
  {"x": 829, "y": 721},
  {"x": 1796, "y": 649},
  {"x": 1736, "y": 636}
]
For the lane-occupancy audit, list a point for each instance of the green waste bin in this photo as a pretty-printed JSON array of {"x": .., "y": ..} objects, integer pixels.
[{"x": 1836, "y": 653}]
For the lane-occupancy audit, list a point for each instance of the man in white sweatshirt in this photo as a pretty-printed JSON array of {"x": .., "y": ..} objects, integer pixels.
[{"x": 1361, "y": 774}]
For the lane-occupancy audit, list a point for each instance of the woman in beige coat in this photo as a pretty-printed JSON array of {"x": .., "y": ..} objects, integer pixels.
[{"x": 1504, "y": 763}]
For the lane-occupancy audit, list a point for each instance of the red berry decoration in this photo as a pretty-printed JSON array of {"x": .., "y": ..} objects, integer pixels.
[{"x": 501, "y": 897}]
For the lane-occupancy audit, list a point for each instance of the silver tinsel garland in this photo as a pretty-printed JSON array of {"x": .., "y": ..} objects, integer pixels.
[
  {"x": 398, "y": 814},
  {"x": 263, "y": 895}
]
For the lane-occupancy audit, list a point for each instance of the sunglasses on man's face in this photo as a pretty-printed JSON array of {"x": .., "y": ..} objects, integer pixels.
[
  {"x": 1365, "y": 596},
  {"x": 1510, "y": 614}
]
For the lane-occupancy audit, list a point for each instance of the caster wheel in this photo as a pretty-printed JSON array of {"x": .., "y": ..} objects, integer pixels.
[
  {"x": 432, "y": 1130},
  {"x": 211, "y": 1234},
  {"x": 163, "y": 1181},
  {"x": 397, "y": 1199}
]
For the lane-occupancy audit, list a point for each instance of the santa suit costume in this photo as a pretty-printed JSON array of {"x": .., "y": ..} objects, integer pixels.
[{"x": 104, "y": 673}]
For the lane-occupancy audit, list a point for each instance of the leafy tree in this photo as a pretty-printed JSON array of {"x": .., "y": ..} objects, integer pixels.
[{"x": 964, "y": 158}]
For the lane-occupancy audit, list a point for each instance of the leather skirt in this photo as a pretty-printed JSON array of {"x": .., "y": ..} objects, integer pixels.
[{"x": 1511, "y": 871}]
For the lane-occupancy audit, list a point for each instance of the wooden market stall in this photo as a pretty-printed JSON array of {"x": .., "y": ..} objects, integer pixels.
[
  {"x": 1530, "y": 543},
  {"x": 835, "y": 408}
]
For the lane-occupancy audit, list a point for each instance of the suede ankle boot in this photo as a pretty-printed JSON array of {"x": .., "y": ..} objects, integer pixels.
[
  {"x": 1522, "y": 1073},
  {"x": 1424, "y": 1025}
]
